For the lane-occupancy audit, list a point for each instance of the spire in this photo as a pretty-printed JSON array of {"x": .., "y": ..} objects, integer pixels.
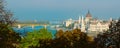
[
  {"x": 82, "y": 22},
  {"x": 88, "y": 12},
  {"x": 82, "y": 18}
]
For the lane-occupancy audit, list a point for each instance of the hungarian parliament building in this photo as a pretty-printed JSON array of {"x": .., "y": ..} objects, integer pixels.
[{"x": 88, "y": 24}]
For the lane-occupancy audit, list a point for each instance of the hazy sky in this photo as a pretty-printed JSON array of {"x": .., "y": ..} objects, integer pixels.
[{"x": 52, "y": 10}]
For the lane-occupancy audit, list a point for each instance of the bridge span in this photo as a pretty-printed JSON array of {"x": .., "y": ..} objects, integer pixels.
[{"x": 31, "y": 25}]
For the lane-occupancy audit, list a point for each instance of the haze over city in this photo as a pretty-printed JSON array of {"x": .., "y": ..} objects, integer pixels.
[{"x": 52, "y": 10}]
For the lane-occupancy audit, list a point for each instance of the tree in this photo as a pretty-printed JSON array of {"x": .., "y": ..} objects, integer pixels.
[
  {"x": 111, "y": 38},
  {"x": 80, "y": 39},
  {"x": 67, "y": 39},
  {"x": 8, "y": 37},
  {"x": 59, "y": 33},
  {"x": 5, "y": 15},
  {"x": 32, "y": 38}
]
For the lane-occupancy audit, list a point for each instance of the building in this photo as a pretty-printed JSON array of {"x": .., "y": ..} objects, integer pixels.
[
  {"x": 99, "y": 26},
  {"x": 68, "y": 22},
  {"x": 89, "y": 24}
]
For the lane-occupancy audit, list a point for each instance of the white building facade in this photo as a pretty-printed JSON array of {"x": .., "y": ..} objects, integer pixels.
[{"x": 89, "y": 24}]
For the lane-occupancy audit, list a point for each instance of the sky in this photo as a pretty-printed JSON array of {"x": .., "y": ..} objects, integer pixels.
[{"x": 59, "y": 10}]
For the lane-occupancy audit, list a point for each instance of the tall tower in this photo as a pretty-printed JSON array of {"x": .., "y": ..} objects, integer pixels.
[
  {"x": 79, "y": 20},
  {"x": 82, "y": 25}
]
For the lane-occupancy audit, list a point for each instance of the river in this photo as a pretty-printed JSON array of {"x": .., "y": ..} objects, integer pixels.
[{"x": 26, "y": 29}]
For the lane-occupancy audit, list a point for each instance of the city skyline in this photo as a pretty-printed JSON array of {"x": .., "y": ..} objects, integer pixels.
[{"x": 52, "y": 10}]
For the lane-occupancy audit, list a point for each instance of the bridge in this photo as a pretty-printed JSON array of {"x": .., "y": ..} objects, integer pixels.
[{"x": 31, "y": 25}]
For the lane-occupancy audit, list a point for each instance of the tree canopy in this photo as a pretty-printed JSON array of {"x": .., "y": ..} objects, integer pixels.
[
  {"x": 32, "y": 38},
  {"x": 67, "y": 39}
]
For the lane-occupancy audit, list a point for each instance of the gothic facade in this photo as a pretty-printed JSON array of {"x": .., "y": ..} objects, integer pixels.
[{"x": 89, "y": 24}]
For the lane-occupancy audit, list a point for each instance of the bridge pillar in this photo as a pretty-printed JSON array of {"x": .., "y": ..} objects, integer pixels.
[
  {"x": 19, "y": 26},
  {"x": 45, "y": 26},
  {"x": 32, "y": 26}
]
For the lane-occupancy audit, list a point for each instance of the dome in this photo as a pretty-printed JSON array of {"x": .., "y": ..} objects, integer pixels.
[{"x": 88, "y": 15}]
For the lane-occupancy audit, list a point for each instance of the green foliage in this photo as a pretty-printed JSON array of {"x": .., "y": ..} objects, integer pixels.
[
  {"x": 67, "y": 39},
  {"x": 32, "y": 38},
  {"x": 59, "y": 33},
  {"x": 8, "y": 38}
]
